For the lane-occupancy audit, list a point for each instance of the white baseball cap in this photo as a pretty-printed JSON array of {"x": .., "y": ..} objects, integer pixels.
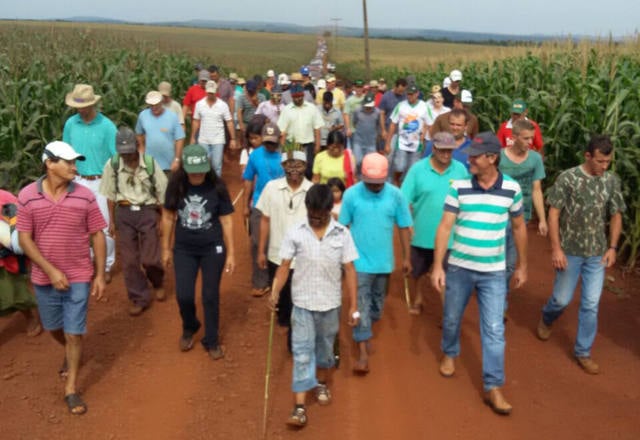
[
  {"x": 60, "y": 150},
  {"x": 455, "y": 75}
]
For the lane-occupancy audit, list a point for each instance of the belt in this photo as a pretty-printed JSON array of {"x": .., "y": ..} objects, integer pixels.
[
  {"x": 132, "y": 207},
  {"x": 94, "y": 177}
]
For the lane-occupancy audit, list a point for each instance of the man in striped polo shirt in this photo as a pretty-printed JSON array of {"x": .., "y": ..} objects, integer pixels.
[
  {"x": 478, "y": 209},
  {"x": 57, "y": 218}
]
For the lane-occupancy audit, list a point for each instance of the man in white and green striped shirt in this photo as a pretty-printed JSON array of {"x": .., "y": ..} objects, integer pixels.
[{"x": 478, "y": 209}]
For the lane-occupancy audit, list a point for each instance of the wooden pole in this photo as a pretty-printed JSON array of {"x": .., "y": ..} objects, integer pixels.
[{"x": 367, "y": 61}]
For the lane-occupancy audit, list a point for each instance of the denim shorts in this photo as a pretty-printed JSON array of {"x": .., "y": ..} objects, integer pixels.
[
  {"x": 312, "y": 337},
  {"x": 63, "y": 309}
]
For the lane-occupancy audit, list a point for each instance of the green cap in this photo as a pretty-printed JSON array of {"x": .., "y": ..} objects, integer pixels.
[
  {"x": 518, "y": 106},
  {"x": 359, "y": 83},
  {"x": 195, "y": 159}
]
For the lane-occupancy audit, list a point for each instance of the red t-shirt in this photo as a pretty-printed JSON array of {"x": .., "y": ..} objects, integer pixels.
[
  {"x": 60, "y": 229},
  {"x": 194, "y": 94},
  {"x": 505, "y": 136}
]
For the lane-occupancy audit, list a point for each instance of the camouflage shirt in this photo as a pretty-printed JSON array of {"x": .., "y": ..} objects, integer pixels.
[{"x": 586, "y": 203}]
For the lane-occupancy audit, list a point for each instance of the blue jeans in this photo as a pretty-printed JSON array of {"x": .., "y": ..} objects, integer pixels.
[
  {"x": 215, "y": 154},
  {"x": 312, "y": 336},
  {"x": 511, "y": 256},
  {"x": 372, "y": 289},
  {"x": 360, "y": 151},
  {"x": 63, "y": 309},
  {"x": 592, "y": 272},
  {"x": 490, "y": 289}
]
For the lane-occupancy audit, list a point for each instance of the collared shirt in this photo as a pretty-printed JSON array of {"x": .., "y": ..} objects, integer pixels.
[
  {"x": 212, "y": 119},
  {"x": 505, "y": 135},
  {"x": 284, "y": 207},
  {"x": 317, "y": 280},
  {"x": 96, "y": 141},
  {"x": 425, "y": 189},
  {"x": 270, "y": 110},
  {"x": 60, "y": 229},
  {"x": 331, "y": 118},
  {"x": 481, "y": 219},
  {"x": 338, "y": 97},
  {"x": 134, "y": 185},
  {"x": 160, "y": 133},
  {"x": 263, "y": 166},
  {"x": 459, "y": 154},
  {"x": 300, "y": 122},
  {"x": 352, "y": 104}
]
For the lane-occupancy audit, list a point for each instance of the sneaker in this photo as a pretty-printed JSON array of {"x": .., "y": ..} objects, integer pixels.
[
  {"x": 186, "y": 342},
  {"x": 543, "y": 331},
  {"x": 216, "y": 353},
  {"x": 323, "y": 395},
  {"x": 588, "y": 364},
  {"x": 298, "y": 417},
  {"x": 135, "y": 310}
]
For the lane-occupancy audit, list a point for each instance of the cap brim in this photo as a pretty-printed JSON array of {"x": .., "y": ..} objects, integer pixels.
[
  {"x": 200, "y": 168},
  {"x": 374, "y": 180},
  {"x": 273, "y": 139},
  {"x": 445, "y": 146}
]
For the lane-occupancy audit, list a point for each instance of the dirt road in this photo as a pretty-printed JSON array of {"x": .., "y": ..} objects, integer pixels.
[{"x": 138, "y": 385}]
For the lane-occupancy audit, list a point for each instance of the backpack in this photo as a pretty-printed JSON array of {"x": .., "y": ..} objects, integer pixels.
[{"x": 148, "y": 163}]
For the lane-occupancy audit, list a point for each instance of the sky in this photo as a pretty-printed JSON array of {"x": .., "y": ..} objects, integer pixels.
[{"x": 549, "y": 17}]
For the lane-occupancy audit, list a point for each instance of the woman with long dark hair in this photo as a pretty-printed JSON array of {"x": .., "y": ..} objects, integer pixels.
[{"x": 196, "y": 221}]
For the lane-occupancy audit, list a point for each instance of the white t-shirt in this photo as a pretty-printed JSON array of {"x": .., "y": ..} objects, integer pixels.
[
  {"x": 432, "y": 114},
  {"x": 244, "y": 156},
  {"x": 411, "y": 120},
  {"x": 212, "y": 119}
]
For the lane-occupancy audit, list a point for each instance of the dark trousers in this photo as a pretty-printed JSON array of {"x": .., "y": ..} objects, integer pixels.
[
  {"x": 284, "y": 302},
  {"x": 139, "y": 246},
  {"x": 310, "y": 150},
  {"x": 259, "y": 277},
  {"x": 186, "y": 267}
]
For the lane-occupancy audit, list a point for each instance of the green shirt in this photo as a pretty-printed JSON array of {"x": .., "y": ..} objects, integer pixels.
[
  {"x": 525, "y": 173},
  {"x": 586, "y": 203},
  {"x": 425, "y": 189}
]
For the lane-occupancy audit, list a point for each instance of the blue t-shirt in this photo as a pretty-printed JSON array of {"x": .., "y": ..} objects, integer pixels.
[
  {"x": 161, "y": 133},
  {"x": 264, "y": 165},
  {"x": 371, "y": 217},
  {"x": 96, "y": 141},
  {"x": 458, "y": 154}
]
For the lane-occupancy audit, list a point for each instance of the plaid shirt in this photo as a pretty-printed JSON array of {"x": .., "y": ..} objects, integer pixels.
[{"x": 317, "y": 280}]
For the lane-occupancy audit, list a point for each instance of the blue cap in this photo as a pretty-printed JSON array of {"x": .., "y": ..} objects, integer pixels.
[{"x": 304, "y": 70}]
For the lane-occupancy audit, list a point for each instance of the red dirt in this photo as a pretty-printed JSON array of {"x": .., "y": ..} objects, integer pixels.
[{"x": 138, "y": 385}]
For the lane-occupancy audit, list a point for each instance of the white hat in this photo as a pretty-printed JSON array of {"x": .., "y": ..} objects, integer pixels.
[
  {"x": 60, "y": 150},
  {"x": 270, "y": 73},
  {"x": 466, "y": 97},
  {"x": 153, "y": 98},
  {"x": 295, "y": 155},
  {"x": 455, "y": 75},
  {"x": 165, "y": 88},
  {"x": 283, "y": 79},
  {"x": 211, "y": 87}
]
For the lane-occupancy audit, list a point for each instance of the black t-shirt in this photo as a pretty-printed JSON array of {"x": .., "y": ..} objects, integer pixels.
[
  {"x": 198, "y": 225},
  {"x": 447, "y": 97}
]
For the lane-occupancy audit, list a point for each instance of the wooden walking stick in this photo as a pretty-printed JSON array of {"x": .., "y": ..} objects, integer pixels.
[
  {"x": 406, "y": 292},
  {"x": 268, "y": 372}
]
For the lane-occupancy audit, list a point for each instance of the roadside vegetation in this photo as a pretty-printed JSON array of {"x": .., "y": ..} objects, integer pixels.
[{"x": 573, "y": 90}]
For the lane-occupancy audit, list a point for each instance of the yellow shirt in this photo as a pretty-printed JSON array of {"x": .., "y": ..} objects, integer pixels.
[
  {"x": 338, "y": 98},
  {"x": 327, "y": 166}
]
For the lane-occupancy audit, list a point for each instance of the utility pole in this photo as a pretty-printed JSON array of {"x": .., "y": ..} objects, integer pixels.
[
  {"x": 367, "y": 61},
  {"x": 335, "y": 35}
]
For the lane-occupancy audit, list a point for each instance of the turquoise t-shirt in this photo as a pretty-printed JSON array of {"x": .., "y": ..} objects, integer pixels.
[
  {"x": 525, "y": 173},
  {"x": 96, "y": 141},
  {"x": 425, "y": 190},
  {"x": 160, "y": 134},
  {"x": 266, "y": 166},
  {"x": 371, "y": 217}
]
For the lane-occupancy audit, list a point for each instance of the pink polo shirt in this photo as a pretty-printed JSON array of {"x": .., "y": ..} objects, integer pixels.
[{"x": 60, "y": 229}]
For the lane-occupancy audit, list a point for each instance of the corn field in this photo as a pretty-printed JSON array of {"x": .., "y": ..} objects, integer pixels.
[{"x": 572, "y": 91}]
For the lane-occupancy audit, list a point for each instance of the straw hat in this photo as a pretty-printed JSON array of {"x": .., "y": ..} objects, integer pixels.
[{"x": 81, "y": 96}]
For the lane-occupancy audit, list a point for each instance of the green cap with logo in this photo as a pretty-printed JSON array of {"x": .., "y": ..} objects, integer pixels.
[
  {"x": 518, "y": 106},
  {"x": 195, "y": 159}
]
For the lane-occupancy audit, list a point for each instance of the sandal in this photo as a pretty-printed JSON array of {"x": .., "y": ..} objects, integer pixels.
[
  {"x": 260, "y": 292},
  {"x": 361, "y": 368},
  {"x": 75, "y": 404}
]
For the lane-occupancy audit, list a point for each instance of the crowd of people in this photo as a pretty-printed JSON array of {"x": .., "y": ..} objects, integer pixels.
[{"x": 330, "y": 169}]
